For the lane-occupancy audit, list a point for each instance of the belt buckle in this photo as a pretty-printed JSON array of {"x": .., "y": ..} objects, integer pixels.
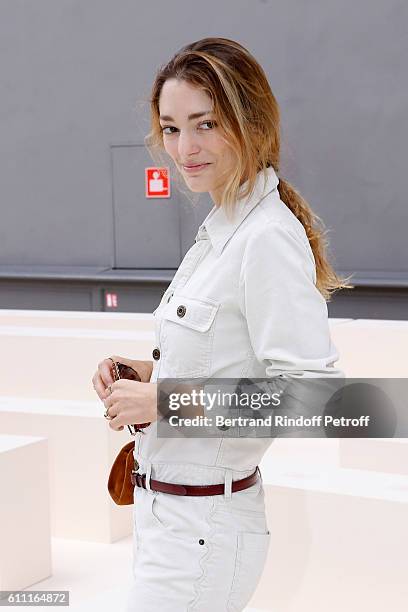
[
  {"x": 136, "y": 478},
  {"x": 139, "y": 479}
]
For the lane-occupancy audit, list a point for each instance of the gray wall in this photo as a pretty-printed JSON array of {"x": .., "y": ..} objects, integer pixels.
[{"x": 75, "y": 80}]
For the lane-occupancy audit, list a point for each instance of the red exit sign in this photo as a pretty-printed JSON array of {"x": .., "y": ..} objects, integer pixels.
[{"x": 111, "y": 300}]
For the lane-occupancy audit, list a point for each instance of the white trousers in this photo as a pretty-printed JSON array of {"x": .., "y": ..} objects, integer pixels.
[{"x": 197, "y": 554}]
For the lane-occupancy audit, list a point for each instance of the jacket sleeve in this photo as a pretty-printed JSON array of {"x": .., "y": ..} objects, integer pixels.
[{"x": 287, "y": 319}]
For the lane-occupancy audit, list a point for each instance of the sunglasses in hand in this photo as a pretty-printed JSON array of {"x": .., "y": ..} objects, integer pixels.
[{"x": 120, "y": 370}]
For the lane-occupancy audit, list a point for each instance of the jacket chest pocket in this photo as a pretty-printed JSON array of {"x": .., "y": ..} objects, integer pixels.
[{"x": 186, "y": 336}]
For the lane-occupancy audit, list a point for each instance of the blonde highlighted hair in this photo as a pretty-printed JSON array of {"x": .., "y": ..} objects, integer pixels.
[{"x": 247, "y": 112}]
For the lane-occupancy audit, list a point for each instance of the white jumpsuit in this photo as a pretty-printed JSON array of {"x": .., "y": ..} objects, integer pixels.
[{"x": 251, "y": 310}]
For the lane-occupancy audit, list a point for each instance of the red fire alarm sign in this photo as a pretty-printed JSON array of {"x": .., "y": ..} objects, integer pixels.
[{"x": 157, "y": 182}]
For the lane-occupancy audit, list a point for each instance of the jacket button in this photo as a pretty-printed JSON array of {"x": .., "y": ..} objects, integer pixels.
[
  {"x": 156, "y": 354},
  {"x": 181, "y": 311}
]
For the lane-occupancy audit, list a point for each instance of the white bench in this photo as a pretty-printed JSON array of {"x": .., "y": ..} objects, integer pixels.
[
  {"x": 25, "y": 538},
  {"x": 387, "y": 455},
  {"x": 372, "y": 348},
  {"x": 77, "y": 319},
  {"x": 339, "y": 539},
  {"x": 82, "y": 448},
  {"x": 60, "y": 362}
]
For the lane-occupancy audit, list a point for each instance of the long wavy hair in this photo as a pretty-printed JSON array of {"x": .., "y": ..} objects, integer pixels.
[{"x": 248, "y": 114}]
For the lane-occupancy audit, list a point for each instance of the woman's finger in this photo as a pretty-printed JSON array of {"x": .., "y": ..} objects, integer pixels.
[
  {"x": 105, "y": 372},
  {"x": 115, "y": 423},
  {"x": 99, "y": 385},
  {"x": 112, "y": 407}
]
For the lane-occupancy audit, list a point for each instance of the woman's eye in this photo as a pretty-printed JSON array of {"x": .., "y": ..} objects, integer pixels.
[
  {"x": 212, "y": 123},
  {"x": 168, "y": 127}
]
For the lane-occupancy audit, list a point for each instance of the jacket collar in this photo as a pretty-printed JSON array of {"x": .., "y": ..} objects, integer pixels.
[{"x": 219, "y": 228}]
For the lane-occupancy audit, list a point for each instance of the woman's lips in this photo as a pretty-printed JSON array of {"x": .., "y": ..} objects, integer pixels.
[{"x": 193, "y": 169}]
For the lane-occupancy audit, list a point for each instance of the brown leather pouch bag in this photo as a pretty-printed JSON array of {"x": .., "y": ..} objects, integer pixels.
[{"x": 120, "y": 486}]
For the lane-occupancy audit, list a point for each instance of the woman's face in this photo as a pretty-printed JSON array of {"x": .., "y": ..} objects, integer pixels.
[{"x": 192, "y": 138}]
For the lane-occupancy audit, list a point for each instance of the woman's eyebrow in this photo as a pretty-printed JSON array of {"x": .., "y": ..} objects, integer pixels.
[{"x": 192, "y": 116}]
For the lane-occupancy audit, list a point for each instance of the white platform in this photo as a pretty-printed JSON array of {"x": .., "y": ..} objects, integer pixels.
[
  {"x": 336, "y": 508},
  {"x": 78, "y": 319},
  {"x": 339, "y": 539},
  {"x": 62, "y": 360},
  {"x": 372, "y": 348},
  {"x": 376, "y": 454},
  {"x": 25, "y": 537},
  {"x": 82, "y": 448}
]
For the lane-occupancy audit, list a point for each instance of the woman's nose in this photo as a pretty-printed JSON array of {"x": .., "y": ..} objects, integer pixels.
[{"x": 187, "y": 145}]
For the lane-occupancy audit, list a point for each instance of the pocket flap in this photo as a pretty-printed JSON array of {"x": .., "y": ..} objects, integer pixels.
[{"x": 195, "y": 313}]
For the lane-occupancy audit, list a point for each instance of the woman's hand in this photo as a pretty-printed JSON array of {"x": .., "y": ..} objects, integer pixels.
[
  {"x": 131, "y": 402},
  {"x": 104, "y": 376}
]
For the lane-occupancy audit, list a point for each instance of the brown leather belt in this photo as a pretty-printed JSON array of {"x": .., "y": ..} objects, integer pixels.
[{"x": 178, "y": 489}]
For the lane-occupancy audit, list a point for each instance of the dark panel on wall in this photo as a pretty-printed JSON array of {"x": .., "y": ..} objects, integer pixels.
[
  {"x": 140, "y": 294},
  {"x": 47, "y": 296},
  {"x": 135, "y": 298},
  {"x": 365, "y": 303}
]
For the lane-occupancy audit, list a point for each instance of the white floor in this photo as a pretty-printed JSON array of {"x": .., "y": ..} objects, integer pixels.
[{"x": 97, "y": 576}]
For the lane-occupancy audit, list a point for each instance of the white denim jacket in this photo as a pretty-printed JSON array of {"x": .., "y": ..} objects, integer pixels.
[{"x": 243, "y": 303}]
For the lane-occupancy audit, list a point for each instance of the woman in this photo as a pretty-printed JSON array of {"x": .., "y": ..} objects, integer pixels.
[{"x": 248, "y": 300}]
